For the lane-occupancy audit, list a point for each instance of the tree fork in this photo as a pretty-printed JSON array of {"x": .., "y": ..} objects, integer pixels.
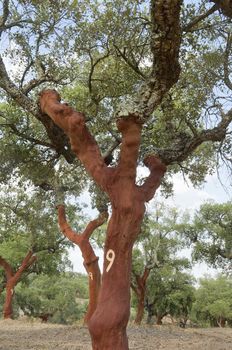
[
  {"x": 90, "y": 259},
  {"x": 108, "y": 323},
  {"x": 13, "y": 279}
]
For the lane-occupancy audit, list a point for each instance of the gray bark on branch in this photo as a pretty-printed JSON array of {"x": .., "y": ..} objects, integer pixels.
[
  {"x": 165, "y": 45},
  {"x": 187, "y": 146}
]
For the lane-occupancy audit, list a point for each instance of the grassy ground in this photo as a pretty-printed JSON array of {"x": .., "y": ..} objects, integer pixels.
[{"x": 18, "y": 335}]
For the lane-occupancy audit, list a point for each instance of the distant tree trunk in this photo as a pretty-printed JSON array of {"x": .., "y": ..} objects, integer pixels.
[
  {"x": 107, "y": 325},
  {"x": 44, "y": 317},
  {"x": 140, "y": 290},
  {"x": 221, "y": 321},
  {"x": 90, "y": 259},
  {"x": 159, "y": 318},
  {"x": 12, "y": 279}
]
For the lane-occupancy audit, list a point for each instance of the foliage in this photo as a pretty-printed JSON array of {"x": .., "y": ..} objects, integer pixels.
[
  {"x": 29, "y": 222},
  {"x": 170, "y": 291},
  {"x": 213, "y": 301},
  {"x": 210, "y": 233},
  {"x": 62, "y": 297},
  {"x": 98, "y": 61}
]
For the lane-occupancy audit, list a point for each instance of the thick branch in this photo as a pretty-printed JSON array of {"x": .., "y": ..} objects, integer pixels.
[
  {"x": 226, "y": 62},
  {"x": 165, "y": 44},
  {"x": 190, "y": 26},
  {"x": 66, "y": 228},
  {"x": 82, "y": 142},
  {"x": 5, "y": 13},
  {"x": 56, "y": 135},
  {"x": 157, "y": 171},
  {"x": 225, "y": 6},
  {"x": 92, "y": 225},
  {"x": 27, "y": 262},
  {"x": 187, "y": 146},
  {"x": 131, "y": 137},
  {"x": 82, "y": 240},
  {"x": 8, "y": 269}
]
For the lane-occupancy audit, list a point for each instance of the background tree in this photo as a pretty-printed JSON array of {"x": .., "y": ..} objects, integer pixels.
[
  {"x": 145, "y": 51},
  {"x": 213, "y": 302},
  {"x": 44, "y": 296},
  {"x": 12, "y": 278},
  {"x": 170, "y": 291},
  {"x": 29, "y": 239},
  {"x": 156, "y": 247},
  {"x": 210, "y": 234}
]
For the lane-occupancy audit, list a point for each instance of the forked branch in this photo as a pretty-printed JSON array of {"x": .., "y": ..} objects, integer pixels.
[{"x": 82, "y": 142}]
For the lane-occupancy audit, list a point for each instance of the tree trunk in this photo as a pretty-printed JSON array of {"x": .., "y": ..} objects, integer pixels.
[
  {"x": 94, "y": 273},
  {"x": 140, "y": 308},
  {"x": 7, "y": 308},
  {"x": 108, "y": 324},
  {"x": 221, "y": 321},
  {"x": 12, "y": 279},
  {"x": 159, "y": 319},
  {"x": 140, "y": 291},
  {"x": 90, "y": 259}
]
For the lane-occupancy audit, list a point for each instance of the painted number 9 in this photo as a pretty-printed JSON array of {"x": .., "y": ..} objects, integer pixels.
[{"x": 110, "y": 256}]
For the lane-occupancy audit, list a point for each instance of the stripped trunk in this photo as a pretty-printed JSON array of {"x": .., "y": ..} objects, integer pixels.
[
  {"x": 94, "y": 273},
  {"x": 7, "y": 307},
  {"x": 90, "y": 259},
  {"x": 12, "y": 279},
  {"x": 107, "y": 325},
  {"x": 140, "y": 291}
]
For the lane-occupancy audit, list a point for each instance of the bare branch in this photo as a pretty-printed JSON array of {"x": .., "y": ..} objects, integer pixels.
[
  {"x": 66, "y": 228},
  {"x": 5, "y": 13},
  {"x": 190, "y": 26},
  {"x": 188, "y": 145},
  {"x": 130, "y": 63},
  {"x": 226, "y": 62},
  {"x": 8, "y": 269}
]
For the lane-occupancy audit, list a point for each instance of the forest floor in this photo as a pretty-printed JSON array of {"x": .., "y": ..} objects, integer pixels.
[{"x": 18, "y": 335}]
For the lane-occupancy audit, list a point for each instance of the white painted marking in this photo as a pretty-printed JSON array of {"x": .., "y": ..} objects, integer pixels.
[{"x": 110, "y": 256}]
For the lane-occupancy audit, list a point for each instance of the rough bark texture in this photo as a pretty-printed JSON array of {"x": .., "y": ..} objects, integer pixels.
[
  {"x": 90, "y": 259},
  {"x": 12, "y": 279},
  {"x": 108, "y": 323},
  {"x": 140, "y": 290},
  {"x": 225, "y": 6},
  {"x": 165, "y": 42}
]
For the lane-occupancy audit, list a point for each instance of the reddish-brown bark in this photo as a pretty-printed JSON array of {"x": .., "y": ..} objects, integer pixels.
[
  {"x": 140, "y": 290},
  {"x": 108, "y": 323},
  {"x": 12, "y": 279},
  {"x": 90, "y": 259}
]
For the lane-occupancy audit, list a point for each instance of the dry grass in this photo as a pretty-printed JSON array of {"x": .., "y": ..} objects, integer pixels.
[{"x": 18, "y": 335}]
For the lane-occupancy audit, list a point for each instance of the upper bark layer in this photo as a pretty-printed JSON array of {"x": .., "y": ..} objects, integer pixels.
[{"x": 165, "y": 44}]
